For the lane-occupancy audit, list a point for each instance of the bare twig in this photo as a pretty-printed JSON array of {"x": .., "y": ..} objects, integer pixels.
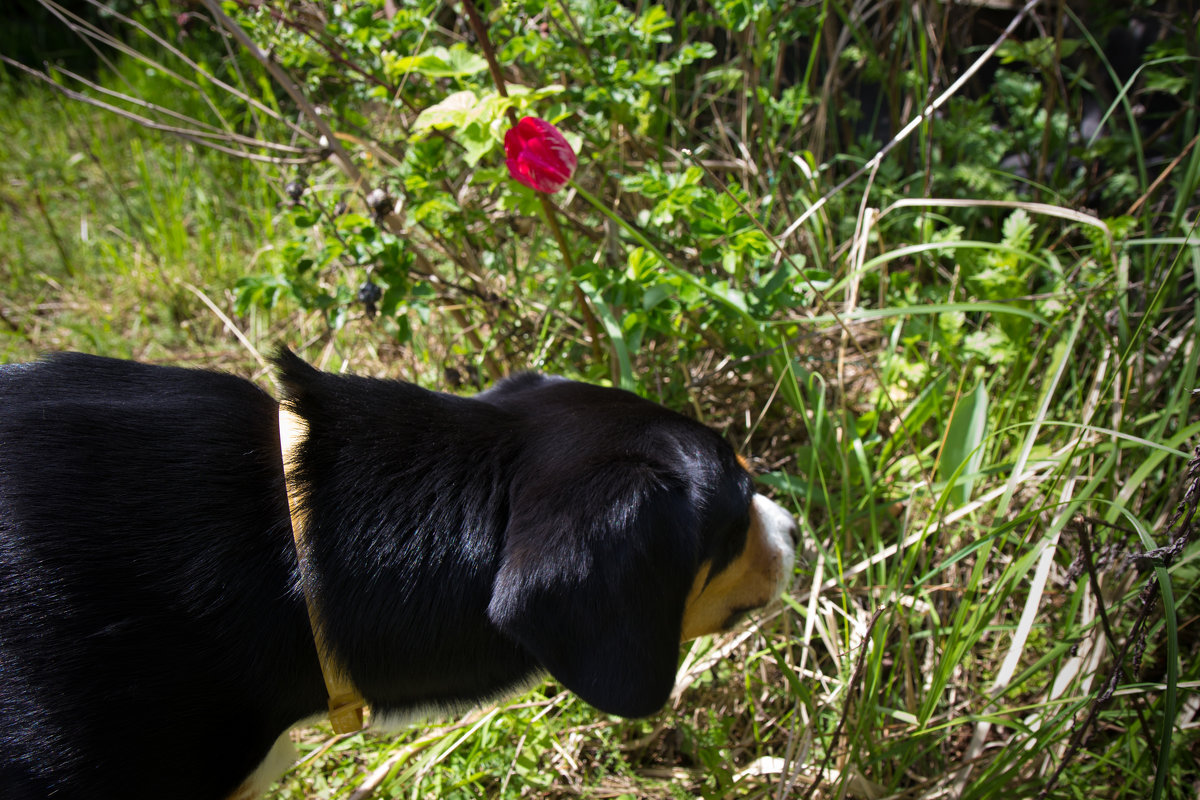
[
  {"x": 851, "y": 687},
  {"x": 329, "y": 138},
  {"x": 203, "y": 138},
  {"x": 1179, "y": 533},
  {"x": 87, "y": 31},
  {"x": 228, "y": 323},
  {"x": 198, "y": 128}
]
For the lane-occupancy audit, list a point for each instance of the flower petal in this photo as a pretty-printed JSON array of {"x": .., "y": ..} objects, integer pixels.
[{"x": 538, "y": 155}]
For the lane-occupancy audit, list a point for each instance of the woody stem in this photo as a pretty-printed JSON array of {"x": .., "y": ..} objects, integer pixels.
[{"x": 548, "y": 208}]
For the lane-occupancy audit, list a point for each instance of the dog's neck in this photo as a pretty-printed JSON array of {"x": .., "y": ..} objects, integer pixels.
[
  {"x": 423, "y": 543},
  {"x": 345, "y": 702}
]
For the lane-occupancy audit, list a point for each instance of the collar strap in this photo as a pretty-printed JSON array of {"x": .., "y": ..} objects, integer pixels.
[{"x": 345, "y": 702}]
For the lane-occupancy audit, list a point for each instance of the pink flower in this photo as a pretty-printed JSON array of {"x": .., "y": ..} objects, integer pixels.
[{"x": 538, "y": 156}]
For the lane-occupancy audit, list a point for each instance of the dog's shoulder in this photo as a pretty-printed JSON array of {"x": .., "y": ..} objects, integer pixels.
[{"x": 517, "y": 385}]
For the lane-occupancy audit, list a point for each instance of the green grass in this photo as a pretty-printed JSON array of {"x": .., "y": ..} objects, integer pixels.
[
  {"x": 106, "y": 224},
  {"x": 972, "y": 384}
]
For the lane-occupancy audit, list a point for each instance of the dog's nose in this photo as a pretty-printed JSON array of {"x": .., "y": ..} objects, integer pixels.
[
  {"x": 788, "y": 525},
  {"x": 793, "y": 531}
]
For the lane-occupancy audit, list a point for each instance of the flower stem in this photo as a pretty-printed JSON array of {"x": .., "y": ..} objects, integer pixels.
[
  {"x": 633, "y": 232},
  {"x": 489, "y": 53},
  {"x": 550, "y": 214},
  {"x": 548, "y": 208},
  {"x": 678, "y": 271}
]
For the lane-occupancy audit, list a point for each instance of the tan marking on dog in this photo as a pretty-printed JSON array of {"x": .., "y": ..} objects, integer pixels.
[{"x": 750, "y": 581}]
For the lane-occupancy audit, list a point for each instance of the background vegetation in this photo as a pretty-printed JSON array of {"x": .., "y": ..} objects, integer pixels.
[{"x": 939, "y": 284}]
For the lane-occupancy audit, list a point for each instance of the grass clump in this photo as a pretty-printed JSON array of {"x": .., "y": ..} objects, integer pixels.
[
  {"x": 106, "y": 225},
  {"x": 940, "y": 283}
]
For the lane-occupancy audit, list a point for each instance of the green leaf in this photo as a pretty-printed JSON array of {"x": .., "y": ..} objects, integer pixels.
[
  {"x": 352, "y": 222},
  {"x": 1018, "y": 230},
  {"x": 1167, "y": 82},
  {"x": 962, "y": 454},
  {"x": 477, "y": 141},
  {"x": 654, "y": 296},
  {"x": 450, "y": 113},
  {"x": 643, "y": 265},
  {"x": 651, "y": 25},
  {"x": 263, "y": 291},
  {"x": 436, "y": 62},
  {"x": 615, "y": 334}
]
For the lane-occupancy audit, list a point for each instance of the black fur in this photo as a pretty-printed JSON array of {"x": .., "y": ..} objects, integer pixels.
[{"x": 153, "y": 635}]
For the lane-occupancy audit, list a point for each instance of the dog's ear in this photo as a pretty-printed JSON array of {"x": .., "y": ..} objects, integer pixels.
[
  {"x": 294, "y": 374},
  {"x": 595, "y": 574}
]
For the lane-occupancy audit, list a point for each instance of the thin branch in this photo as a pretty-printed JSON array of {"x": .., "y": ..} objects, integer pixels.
[
  {"x": 198, "y": 68},
  {"x": 329, "y": 138},
  {"x": 860, "y": 666},
  {"x": 1180, "y": 532},
  {"x": 202, "y": 138},
  {"x": 202, "y": 129}
]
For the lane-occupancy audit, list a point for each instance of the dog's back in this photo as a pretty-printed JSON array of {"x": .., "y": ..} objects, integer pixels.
[
  {"x": 99, "y": 465},
  {"x": 155, "y": 638}
]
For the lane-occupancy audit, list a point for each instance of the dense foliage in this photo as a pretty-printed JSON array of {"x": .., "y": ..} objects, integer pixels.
[{"x": 940, "y": 283}]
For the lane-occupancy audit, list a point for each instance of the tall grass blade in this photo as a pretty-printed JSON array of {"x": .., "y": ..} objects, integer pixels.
[{"x": 962, "y": 453}]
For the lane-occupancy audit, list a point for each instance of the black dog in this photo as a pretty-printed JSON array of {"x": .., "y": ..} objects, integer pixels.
[{"x": 154, "y": 638}]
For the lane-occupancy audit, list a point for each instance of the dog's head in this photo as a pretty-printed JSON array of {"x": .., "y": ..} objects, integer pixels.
[
  {"x": 543, "y": 522},
  {"x": 630, "y": 529}
]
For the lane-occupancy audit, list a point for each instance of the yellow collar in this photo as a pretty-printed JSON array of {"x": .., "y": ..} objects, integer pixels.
[{"x": 345, "y": 702}]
